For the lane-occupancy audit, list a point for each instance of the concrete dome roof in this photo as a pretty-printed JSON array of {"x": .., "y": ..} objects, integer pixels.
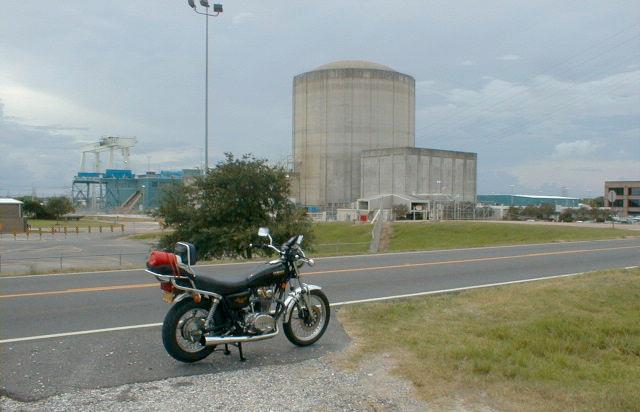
[{"x": 353, "y": 64}]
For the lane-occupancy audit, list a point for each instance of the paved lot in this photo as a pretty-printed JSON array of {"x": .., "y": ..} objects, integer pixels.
[
  {"x": 42, "y": 305},
  {"x": 81, "y": 251}
]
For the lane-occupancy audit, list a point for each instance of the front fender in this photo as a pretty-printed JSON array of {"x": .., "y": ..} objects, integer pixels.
[{"x": 293, "y": 298}]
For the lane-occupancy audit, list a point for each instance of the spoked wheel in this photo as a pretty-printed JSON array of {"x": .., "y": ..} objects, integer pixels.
[
  {"x": 306, "y": 326},
  {"x": 183, "y": 329}
]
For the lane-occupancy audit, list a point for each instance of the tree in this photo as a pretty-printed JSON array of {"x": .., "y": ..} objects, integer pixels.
[
  {"x": 547, "y": 210},
  {"x": 567, "y": 215},
  {"x": 32, "y": 207},
  {"x": 594, "y": 202},
  {"x": 221, "y": 213},
  {"x": 58, "y": 206}
]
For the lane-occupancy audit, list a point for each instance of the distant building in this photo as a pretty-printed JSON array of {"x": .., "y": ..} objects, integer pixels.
[
  {"x": 120, "y": 190},
  {"x": 354, "y": 144},
  {"x": 528, "y": 200},
  {"x": 627, "y": 197},
  {"x": 11, "y": 217}
]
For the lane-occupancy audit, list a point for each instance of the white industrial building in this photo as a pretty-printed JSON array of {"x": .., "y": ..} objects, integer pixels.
[{"x": 354, "y": 138}]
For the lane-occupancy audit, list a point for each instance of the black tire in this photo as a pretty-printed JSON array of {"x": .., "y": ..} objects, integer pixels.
[
  {"x": 289, "y": 330},
  {"x": 169, "y": 338}
]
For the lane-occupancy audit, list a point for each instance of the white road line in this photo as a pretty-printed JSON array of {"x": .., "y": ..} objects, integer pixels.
[
  {"x": 334, "y": 257},
  {"x": 436, "y": 292},
  {"x": 351, "y": 302},
  {"x": 82, "y": 332}
]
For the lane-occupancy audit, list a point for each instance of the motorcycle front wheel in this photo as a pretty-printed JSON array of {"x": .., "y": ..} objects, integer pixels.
[
  {"x": 183, "y": 329},
  {"x": 305, "y": 326}
]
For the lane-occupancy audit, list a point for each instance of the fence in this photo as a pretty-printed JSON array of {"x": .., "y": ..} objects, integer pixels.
[
  {"x": 62, "y": 262},
  {"x": 66, "y": 230},
  {"x": 92, "y": 262}
]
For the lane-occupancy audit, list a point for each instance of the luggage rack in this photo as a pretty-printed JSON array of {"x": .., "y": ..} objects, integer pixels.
[{"x": 172, "y": 279}]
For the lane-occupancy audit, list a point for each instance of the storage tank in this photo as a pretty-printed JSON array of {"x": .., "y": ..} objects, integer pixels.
[{"x": 339, "y": 110}]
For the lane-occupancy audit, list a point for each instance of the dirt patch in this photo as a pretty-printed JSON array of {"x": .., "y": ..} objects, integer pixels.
[{"x": 385, "y": 238}]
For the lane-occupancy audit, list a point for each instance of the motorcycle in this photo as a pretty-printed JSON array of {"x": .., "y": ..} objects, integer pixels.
[{"x": 210, "y": 312}]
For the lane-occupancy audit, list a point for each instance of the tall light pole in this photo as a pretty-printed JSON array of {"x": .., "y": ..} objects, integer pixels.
[{"x": 217, "y": 9}]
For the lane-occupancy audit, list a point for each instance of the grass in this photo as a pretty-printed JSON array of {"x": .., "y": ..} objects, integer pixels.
[
  {"x": 343, "y": 238},
  {"x": 447, "y": 235},
  {"x": 563, "y": 344},
  {"x": 151, "y": 235}
]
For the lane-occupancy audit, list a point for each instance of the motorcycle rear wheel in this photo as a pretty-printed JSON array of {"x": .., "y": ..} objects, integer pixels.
[
  {"x": 304, "y": 332},
  {"x": 182, "y": 331}
]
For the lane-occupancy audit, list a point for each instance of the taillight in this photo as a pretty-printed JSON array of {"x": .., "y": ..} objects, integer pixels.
[{"x": 166, "y": 286}]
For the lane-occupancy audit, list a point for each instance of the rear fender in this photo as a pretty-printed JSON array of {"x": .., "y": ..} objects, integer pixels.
[{"x": 294, "y": 297}]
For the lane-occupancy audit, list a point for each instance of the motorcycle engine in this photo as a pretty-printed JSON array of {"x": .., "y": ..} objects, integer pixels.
[{"x": 259, "y": 322}]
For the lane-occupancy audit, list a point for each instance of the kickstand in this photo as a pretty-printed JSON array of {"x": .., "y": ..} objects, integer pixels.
[
  {"x": 226, "y": 349},
  {"x": 242, "y": 358}
]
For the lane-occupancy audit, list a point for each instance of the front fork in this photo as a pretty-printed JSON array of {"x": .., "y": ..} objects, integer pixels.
[{"x": 306, "y": 311}]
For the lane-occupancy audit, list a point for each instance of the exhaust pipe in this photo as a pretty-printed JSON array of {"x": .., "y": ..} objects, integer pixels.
[{"x": 222, "y": 340}]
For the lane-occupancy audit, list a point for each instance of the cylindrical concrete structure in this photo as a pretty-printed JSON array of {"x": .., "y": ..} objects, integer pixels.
[{"x": 339, "y": 110}]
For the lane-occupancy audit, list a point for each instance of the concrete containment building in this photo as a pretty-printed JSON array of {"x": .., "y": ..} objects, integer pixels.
[
  {"x": 340, "y": 110},
  {"x": 354, "y": 146},
  {"x": 427, "y": 173}
]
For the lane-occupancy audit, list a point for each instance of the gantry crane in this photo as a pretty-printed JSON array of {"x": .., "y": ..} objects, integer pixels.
[{"x": 110, "y": 144}]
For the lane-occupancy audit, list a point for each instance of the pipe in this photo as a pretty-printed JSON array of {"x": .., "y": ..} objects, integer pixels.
[{"x": 222, "y": 340}]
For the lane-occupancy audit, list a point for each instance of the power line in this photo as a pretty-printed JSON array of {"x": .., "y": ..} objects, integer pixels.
[
  {"x": 479, "y": 105},
  {"x": 530, "y": 101}
]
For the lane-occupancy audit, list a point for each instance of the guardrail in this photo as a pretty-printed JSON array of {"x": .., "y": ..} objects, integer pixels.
[
  {"x": 69, "y": 261},
  {"x": 53, "y": 230}
]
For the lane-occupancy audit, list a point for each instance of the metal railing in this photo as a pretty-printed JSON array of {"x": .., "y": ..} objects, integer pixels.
[
  {"x": 64, "y": 262},
  {"x": 68, "y": 262}
]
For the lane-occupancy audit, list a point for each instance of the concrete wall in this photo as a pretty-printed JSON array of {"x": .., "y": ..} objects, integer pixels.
[
  {"x": 339, "y": 111},
  {"x": 415, "y": 171}
]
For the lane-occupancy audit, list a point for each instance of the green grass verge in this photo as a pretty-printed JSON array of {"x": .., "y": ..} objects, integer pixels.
[
  {"x": 151, "y": 235},
  {"x": 82, "y": 223},
  {"x": 447, "y": 235},
  {"x": 341, "y": 238},
  {"x": 562, "y": 344}
]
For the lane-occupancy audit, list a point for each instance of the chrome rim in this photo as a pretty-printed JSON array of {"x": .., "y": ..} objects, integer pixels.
[
  {"x": 189, "y": 330},
  {"x": 306, "y": 331}
]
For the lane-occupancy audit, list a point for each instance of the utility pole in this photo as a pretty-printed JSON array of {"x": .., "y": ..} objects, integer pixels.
[{"x": 217, "y": 9}]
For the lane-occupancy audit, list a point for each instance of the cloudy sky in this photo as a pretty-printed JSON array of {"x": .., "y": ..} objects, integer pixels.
[{"x": 546, "y": 92}]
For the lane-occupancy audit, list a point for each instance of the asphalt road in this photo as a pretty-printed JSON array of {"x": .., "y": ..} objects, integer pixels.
[
  {"x": 56, "y": 304},
  {"x": 83, "y": 250}
]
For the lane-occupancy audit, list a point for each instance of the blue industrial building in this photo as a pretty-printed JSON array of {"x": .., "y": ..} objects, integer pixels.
[
  {"x": 527, "y": 200},
  {"x": 120, "y": 190}
]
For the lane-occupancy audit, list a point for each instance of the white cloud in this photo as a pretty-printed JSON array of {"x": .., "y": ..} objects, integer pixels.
[
  {"x": 242, "y": 17},
  {"x": 578, "y": 148},
  {"x": 468, "y": 63},
  {"x": 509, "y": 57},
  {"x": 580, "y": 175}
]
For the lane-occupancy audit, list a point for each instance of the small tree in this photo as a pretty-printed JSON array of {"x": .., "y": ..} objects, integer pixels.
[
  {"x": 58, "y": 206},
  {"x": 33, "y": 208},
  {"x": 221, "y": 213},
  {"x": 547, "y": 210},
  {"x": 567, "y": 215}
]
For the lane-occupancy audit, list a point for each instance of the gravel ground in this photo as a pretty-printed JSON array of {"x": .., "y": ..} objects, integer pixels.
[{"x": 317, "y": 385}]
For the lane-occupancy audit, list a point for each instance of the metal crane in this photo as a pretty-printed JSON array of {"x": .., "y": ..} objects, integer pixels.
[{"x": 110, "y": 144}]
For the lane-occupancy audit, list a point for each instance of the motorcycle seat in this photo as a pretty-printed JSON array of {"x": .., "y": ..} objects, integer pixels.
[{"x": 221, "y": 286}]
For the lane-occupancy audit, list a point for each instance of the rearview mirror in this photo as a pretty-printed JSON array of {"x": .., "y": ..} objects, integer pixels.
[{"x": 263, "y": 232}]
